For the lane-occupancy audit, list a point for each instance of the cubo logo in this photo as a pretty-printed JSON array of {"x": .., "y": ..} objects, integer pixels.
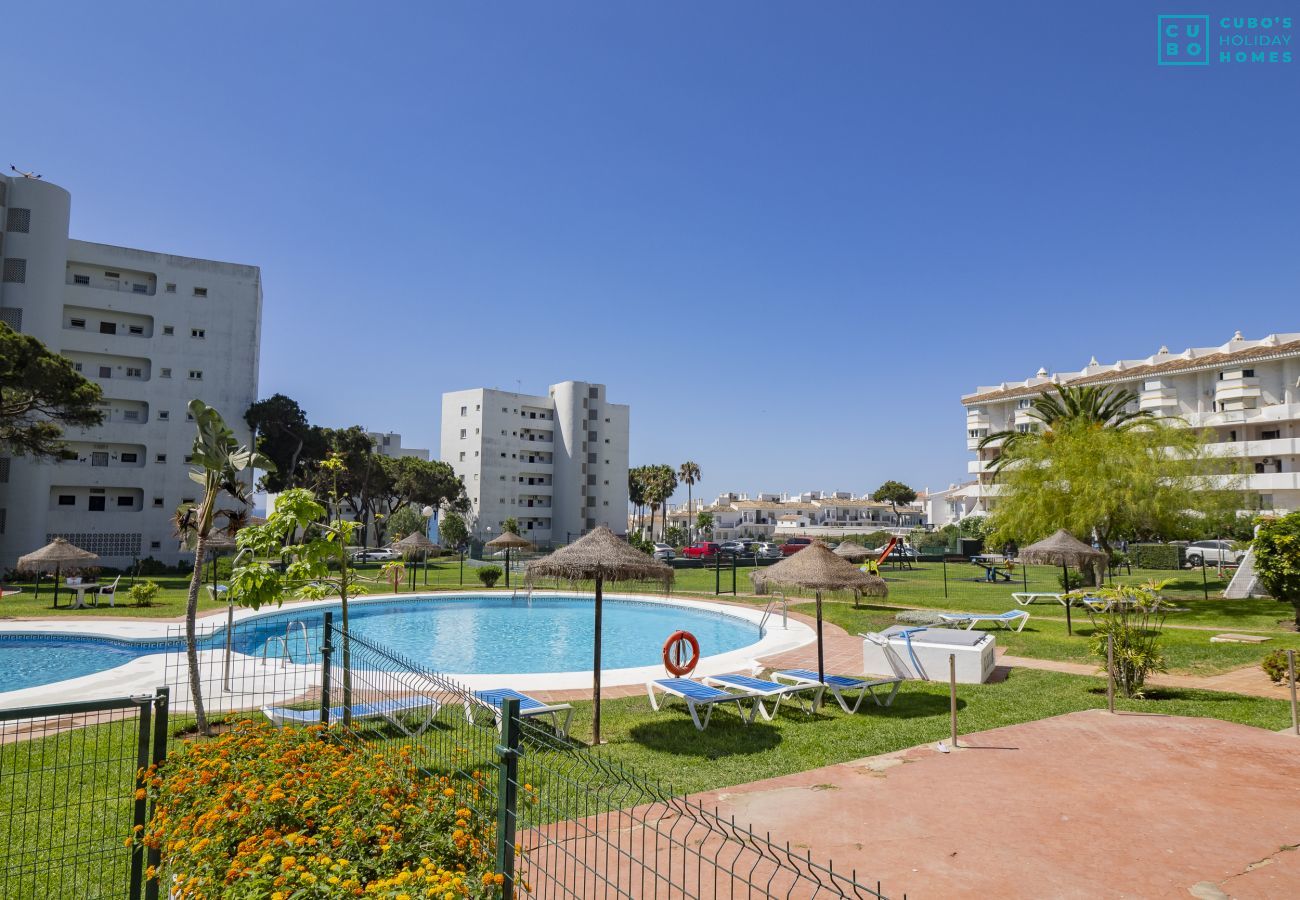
[{"x": 1183, "y": 40}]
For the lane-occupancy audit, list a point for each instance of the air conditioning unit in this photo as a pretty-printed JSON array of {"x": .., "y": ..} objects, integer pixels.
[{"x": 1266, "y": 461}]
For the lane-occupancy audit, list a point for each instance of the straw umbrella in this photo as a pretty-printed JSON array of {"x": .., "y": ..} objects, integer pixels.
[
  {"x": 854, "y": 552},
  {"x": 818, "y": 568},
  {"x": 218, "y": 542},
  {"x": 602, "y": 556},
  {"x": 417, "y": 542},
  {"x": 1062, "y": 549},
  {"x": 508, "y": 541},
  {"x": 57, "y": 554}
]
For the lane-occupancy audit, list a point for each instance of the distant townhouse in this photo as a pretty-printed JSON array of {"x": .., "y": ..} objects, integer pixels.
[{"x": 813, "y": 513}]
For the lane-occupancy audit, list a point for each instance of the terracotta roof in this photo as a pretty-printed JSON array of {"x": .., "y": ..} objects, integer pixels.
[{"x": 1112, "y": 375}]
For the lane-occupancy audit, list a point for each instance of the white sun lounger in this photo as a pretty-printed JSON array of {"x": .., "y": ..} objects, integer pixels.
[
  {"x": 701, "y": 696},
  {"x": 839, "y": 684},
  {"x": 1028, "y": 598},
  {"x": 390, "y": 710},
  {"x": 762, "y": 689},
  {"x": 1001, "y": 619},
  {"x": 529, "y": 707}
]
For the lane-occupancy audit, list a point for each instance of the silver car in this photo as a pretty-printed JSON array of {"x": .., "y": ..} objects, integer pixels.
[
  {"x": 1217, "y": 552},
  {"x": 664, "y": 552}
]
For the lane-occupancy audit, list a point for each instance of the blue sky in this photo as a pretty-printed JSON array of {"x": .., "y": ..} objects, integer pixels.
[{"x": 789, "y": 235}]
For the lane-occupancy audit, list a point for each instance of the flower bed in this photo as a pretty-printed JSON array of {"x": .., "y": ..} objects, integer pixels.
[{"x": 261, "y": 812}]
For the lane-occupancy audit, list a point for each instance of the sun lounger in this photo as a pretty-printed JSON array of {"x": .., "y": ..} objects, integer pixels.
[
  {"x": 390, "y": 710},
  {"x": 1001, "y": 619},
  {"x": 762, "y": 689},
  {"x": 529, "y": 707},
  {"x": 838, "y": 685},
  {"x": 1028, "y": 598},
  {"x": 701, "y": 696}
]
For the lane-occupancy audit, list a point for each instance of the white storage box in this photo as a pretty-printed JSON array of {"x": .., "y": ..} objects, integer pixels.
[{"x": 917, "y": 652}]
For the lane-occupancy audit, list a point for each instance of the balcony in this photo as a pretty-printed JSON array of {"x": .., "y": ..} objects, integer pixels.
[
  {"x": 977, "y": 418},
  {"x": 1238, "y": 392},
  {"x": 1270, "y": 482},
  {"x": 1158, "y": 400}
]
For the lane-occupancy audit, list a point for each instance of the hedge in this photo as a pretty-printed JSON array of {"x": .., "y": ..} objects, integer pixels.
[{"x": 1157, "y": 556}]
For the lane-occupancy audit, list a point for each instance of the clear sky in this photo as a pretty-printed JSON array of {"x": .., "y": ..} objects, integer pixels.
[{"x": 790, "y": 235}]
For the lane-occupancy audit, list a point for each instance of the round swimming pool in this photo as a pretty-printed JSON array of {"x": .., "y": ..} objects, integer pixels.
[{"x": 481, "y": 634}]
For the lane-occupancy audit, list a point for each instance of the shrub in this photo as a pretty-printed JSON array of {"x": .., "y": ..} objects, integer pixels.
[
  {"x": 489, "y": 575},
  {"x": 1274, "y": 667},
  {"x": 1277, "y": 559},
  {"x": 1157, "y": 556},
  {"x": 143, "y": 593},
  {"x": 1135, "y": 621},
  {"x": 261, "y": 812},
  {"x": 1070, "y": 580}
]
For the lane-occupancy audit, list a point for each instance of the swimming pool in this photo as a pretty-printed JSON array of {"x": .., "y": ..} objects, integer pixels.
[{"x": 471, "y": 635}]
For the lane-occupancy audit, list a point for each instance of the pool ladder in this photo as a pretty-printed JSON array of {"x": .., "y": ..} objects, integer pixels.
[
  {"x": 528, "y": 595},
  {"x": 283, "y": 642},
  {"x": 767, "y": 612}
]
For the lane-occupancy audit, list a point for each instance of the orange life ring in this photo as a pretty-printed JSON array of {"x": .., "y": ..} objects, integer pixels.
[{"x": 673, "y": 648}]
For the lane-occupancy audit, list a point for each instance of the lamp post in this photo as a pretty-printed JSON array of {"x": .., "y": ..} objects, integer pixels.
[{"x": 427, "y": 512}]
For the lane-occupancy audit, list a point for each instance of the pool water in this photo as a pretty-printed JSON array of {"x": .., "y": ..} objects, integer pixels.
[{"x": 459, "y": 635}]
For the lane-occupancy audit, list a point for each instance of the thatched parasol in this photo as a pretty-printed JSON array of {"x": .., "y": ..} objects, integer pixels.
[
  {"x": 854, "y": 552},
  {"x": 603, "y": 556},
  {"x": 417, "y": 542},
  {"x": 58, "y": 555},
  {"x": 1062, "y": 549},
  {"x": 819, "y": 569},
  {"x": 217, "y": 542},
  {"x": 508, "y": 541}
]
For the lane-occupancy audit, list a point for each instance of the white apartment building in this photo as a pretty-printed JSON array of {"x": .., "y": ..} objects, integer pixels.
[
  {"x": 154, "y": 331},
  {"x": 389, "y": 443},
  {"x": 827, "y": 514},
  {"x": 1246, "y": 391},
  {"x": 558, "y": 463}
]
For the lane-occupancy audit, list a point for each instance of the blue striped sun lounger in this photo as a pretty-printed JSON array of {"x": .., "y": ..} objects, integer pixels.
[
  {"x": 390, "y": 710},
  {"x": 699, "y": 696},
  {"x": 838, "y": 685},
  {"x": 529, "y": 707},
  {"x": 763, "y": 689},
  {"x": 1001, "y": 619}
]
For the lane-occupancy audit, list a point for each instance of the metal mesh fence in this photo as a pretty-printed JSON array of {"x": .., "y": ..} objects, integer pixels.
[{"x": 68, "y": 782}]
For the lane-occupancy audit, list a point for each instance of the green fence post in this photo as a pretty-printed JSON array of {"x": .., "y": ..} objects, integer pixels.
[
  {"x": 162, "y": 699},
  {"x": 139, "y": 816},
  {"x": 326, "y": 648},
  {"x": 945, "y": 576},
  {"x": 508, "y": 795},
  {"x": 1205, "y": 586}
]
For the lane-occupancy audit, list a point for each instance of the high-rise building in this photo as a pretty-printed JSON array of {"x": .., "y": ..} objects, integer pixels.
[
  {"x": 389, "y": 443},
  {"x": 154, "y": 331},
  {"x": 1245, "y": 392},
  {"x": 557, "y": 464}
]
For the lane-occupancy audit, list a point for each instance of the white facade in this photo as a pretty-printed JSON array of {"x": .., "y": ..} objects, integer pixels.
[
  {"x": 154, "y": 331},
  {"x": 1245, "y": 391},
  {"x": 558, "y": 464},
  {"x": 811, "y": 513},
  {"x": 389, "y": 443},
  {"x": 949, "y": 506}
]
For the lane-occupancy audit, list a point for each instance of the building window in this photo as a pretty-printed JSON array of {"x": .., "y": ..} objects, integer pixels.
[
  {"x": 188, "y": 501},
  {"x": 464, "y": 410},
  {"x": 188, "y": 459},
  {"x": 164, "y": 373},
  {"x": 67, "y": 500},
  {"x": 171, "y": 287},
  {"x": 130, "y": 458},
  {"x": 160, "y": 457},
  {"x": 81, "y": 279},
  {"x": 157, "y": 501},
  {"x": 1247, "y": 373},
  {"x": 20, "y": 220},
  {"x": 105, "y": 371},
  {"x": 76, "y": 367},
  {"x": 108, "y": 328},
  {"x": 15, "y": 271},
  {"x": 112, "y": 274},
  {"x": 134, "y": 373},
  {"x": 463, "y": 434},
  {"x": 136, "y": 329},
  {"x": 97, "y": 504},
  {"x": 139, "y": 288},
  {"x": 200, "y": 292},
  {"x": 124, "y": 500},
  {"x": 476, "y": 407},
  {"x": 77, "y": 323},
  {"x": 196, "y": 374},
  {"x": 169, "y": 329},
  {"x": 163, "y": 415},
  {"x": 198, "y": 333},
  {"x": 131, "y": 415},
  {"x": 155, "y": 545},
  {"x": 462, "y": 456}
]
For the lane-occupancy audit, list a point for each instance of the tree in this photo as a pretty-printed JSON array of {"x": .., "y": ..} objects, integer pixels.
[
  {"x": 404, "y": 521},
  {"x": 40, "y": 392},
  {"x": 1095, "y": 405},
  {"x": 284, "y": 436},
  {"x": 688, "y": 473},
  {"x": 1277, "y": 559},
  {"x": 894, "y": 493},
  {"x": 636, "y": 486},
  {"x": 219, "y": 462},
  {"x": 704, "y": 521},
  {"x": 409, "y": 481},
  {"x": 660, "y": 485},
  {"x": 452, "y": 531},
  {"x": 511, "y": 525},
  {"x": 1110, "y": 482}
]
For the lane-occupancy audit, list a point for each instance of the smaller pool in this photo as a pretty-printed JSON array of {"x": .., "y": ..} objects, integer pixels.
[{"x": 29, "y": 662}]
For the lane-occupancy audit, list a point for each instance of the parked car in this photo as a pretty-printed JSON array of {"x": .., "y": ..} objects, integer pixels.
[
  {"x": 375, "y": 554},
  {"x": 794, "y": 545},
  {"x": 663, "y": 552},
  {"x": 733, "y": 548},
  {"x": 903, "y": 551},
  {"x": 767, "y": 550},
  {"x": 702, "y": 550},
  {"x": 1217, "y": 552}
]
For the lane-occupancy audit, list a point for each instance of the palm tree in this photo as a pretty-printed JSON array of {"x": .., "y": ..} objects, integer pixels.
[
  {"x": 636, "y": 494},
  {"x": 689, "y": 472},
  {"x": 219, "y": 459},
  {"x": 1098, "y": 405}
]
